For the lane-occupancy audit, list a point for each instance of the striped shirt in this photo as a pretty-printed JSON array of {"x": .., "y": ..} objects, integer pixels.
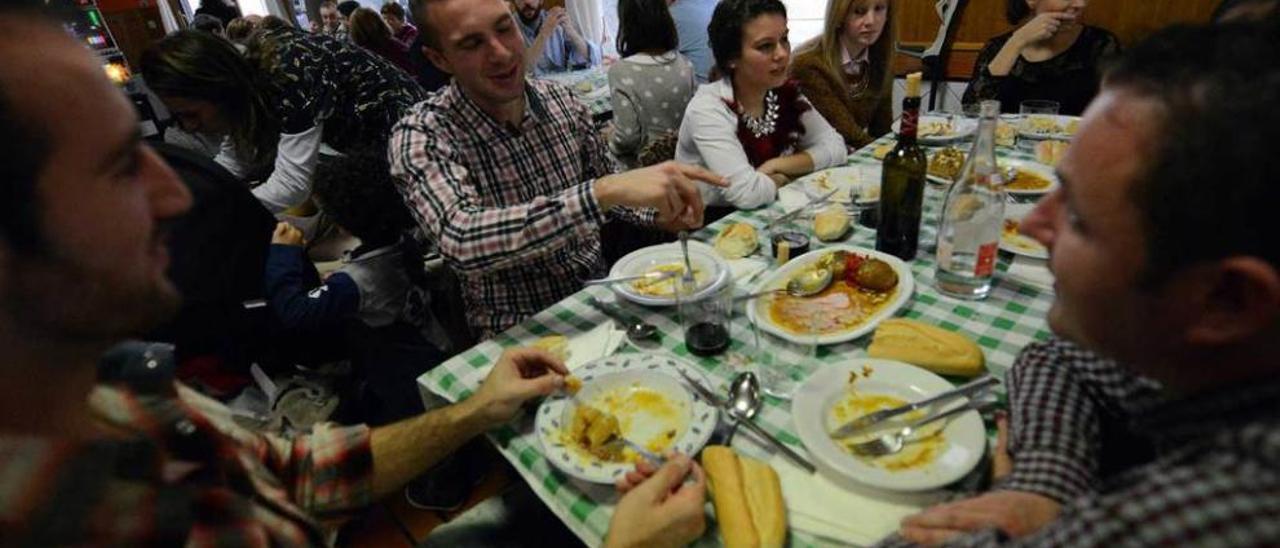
[
  {"x": 510, "y": 209},
  {"x": 1208, "y": 470},
  {"x": 183, "y": 473}
]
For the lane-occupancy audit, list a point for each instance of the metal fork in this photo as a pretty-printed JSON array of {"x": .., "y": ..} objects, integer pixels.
[{"x": 893, "y": 442}]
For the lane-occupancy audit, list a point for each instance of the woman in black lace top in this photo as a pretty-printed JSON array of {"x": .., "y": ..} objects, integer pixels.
[{"x": 1051, "y": 55}]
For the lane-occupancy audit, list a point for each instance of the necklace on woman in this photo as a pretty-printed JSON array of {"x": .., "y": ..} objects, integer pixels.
[{"x": 764, "y": 125}]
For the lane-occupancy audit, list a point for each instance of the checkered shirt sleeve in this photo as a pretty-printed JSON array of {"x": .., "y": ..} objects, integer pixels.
[
  {"x": 1059, "y": 394},
  {"x": 471, "y": 237}
]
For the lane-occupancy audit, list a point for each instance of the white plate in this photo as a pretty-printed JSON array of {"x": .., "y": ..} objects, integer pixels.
[
  {"x": 1033, "y": 167},
  {"x": 1024, "y": 129},
  {"x": 864, "y": 178},
  {"x": 1020, "y": 244},
  {"x": 965, "y": 435},
  {"x": 961, "y": 128},
  {"x": 778, "y": 278},
  {"x": 702, "y": 256},
  {"x": 696, "y": 419}
]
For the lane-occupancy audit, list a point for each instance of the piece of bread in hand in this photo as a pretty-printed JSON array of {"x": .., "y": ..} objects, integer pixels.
[
  {"x": 930, "y": 347},
  {"x": 748, "y": 499},
  {"x": 556, "y": 345}
]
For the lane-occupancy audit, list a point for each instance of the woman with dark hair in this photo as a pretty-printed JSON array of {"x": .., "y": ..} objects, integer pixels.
[
  {"x": 846, "y": 71},
  {"x": 652, "y": 84},
  {"x": 276, "y": 105},
  {"x": 369, "y": 31},
  {"x": 753, "y": 126},
  {"x": 1051, "y": 55}
]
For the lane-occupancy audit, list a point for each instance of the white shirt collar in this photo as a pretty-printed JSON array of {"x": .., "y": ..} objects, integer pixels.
[{"x": 853, "y": 67}]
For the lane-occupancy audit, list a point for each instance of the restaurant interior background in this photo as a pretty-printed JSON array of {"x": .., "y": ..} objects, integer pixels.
[{"x": 135, "y": 24}]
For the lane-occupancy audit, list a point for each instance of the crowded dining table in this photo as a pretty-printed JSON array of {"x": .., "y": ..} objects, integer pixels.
[{"x": 1011, "y": 317}]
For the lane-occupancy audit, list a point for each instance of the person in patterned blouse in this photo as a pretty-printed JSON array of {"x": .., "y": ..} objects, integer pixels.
[
  {"x": 84, "y": 210},
  {"x": 507, "y": 175},
  {"x": 291, "y": 93}
]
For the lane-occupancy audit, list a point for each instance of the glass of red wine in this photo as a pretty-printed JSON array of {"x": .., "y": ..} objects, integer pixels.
[{"x": 706, "y": 320}]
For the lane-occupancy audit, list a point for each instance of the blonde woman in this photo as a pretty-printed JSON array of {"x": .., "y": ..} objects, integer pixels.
[{"x": 846, "y": 72}]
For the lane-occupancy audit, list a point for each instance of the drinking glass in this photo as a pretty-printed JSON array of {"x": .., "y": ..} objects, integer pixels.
[
  {"x": 1038, "y": 106},
  {"x": 783, "y": 363},
  {"x": 705, "y": 321}
]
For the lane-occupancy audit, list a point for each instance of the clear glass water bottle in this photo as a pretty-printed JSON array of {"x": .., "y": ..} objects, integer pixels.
[{"x": 969, "y": 230}]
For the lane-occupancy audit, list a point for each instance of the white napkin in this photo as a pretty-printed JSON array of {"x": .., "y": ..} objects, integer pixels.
[
  {"x": 744, "y": 268},
  {"x": 1032, "y": 271},
  {"x": 791, "y": 197},
  {"x": 818, "y": 506},
  {"x": 602, "y": 340}
]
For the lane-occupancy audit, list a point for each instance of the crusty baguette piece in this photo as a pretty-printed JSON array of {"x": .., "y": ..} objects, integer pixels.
[
  {"x": 748, "y": 499},
  {"x": 930, "y": 347},
  {"x": 764, "y": 500},
  {"x": 725, "y": 476}
]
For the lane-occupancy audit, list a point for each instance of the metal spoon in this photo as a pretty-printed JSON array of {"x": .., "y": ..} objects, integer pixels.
[
  {"x": 893, "y": 442},
  {"x": 809, "y": 282},
  {"x": 636, "y": 329},
  {"x": 744, "y": 400}
]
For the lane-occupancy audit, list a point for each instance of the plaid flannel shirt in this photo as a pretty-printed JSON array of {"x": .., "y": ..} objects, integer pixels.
[
  {"x": 1213, "y": 479},
  {"x": 510, "y": 209},
  {"x": 182, "y": 473}
]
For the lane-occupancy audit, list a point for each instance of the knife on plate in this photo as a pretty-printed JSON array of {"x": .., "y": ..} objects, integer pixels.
[
  {"x": 793, "y": 214},
  {"x": 719, "y": 402},
  {"x": 870, "y": 419}
]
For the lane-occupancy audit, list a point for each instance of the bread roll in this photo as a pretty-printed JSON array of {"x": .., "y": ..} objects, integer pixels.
[
  {"x": 764, "y": 500},
  {"x": 930, "y": 347},
  {"x": 748, "y": 499},
  {"x": 737, "y": 241},
  {"x": 556, "y": 345},
  {"x": 831, "y": 223}
]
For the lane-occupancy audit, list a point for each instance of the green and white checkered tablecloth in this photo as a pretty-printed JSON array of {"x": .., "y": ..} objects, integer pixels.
[{"x": 1010, "y": 318}]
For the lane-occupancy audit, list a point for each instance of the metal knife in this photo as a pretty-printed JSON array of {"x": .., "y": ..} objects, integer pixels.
[
  {"x": 715, "y": 400},
  {"x": 861, "y": 423},
  {"x": 793, "y": 214}
]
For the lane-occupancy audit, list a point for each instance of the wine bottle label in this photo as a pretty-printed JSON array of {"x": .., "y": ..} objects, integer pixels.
[
  {"x": 986, "y": 259},
  {"x": 910, "y": 122}
]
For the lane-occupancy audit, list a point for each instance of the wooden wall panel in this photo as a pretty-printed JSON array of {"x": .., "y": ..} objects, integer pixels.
[{"x": 983, "y": 19}]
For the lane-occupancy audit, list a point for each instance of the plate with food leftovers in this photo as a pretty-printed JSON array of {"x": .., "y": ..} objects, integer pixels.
[
  {"x": 1049, "y": 126},
  {"x": 1028, "y": 178},
  {"x": 639, "y": 397},
  {"x": 864, "y": 180},
  {"x": 860, "y": 288},
  {"x": 710, "y": 272},
  {"x": 936, "y": 130},
  {"x": 934, "y": 456},
  {"x": 1013, "y": 241},
  {"x": 945, "y": 164}
]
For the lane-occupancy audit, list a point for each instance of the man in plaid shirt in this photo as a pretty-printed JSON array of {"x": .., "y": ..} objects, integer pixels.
[
  {"x": 84, "y": 206},
  {"x": 508, "y": 176},
  {"x": 1163, "y": 243},
  {"x": 1162, "y": 240}
]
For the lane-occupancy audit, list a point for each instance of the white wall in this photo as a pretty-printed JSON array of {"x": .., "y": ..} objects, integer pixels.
[{"x": 804, "y": 19}]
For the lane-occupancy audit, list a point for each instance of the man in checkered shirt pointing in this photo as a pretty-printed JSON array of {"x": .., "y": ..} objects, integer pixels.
[
  {"x": 1163, "y": 242},
  {"x": 508, "y": 176}
]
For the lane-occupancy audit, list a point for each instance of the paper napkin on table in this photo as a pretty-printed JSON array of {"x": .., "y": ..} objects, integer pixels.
[
  {"x": 1032, "y": 271},
  {"x": 602, "y": 340},
  {"x": 744, "y": 268},
  {"x": 818, "y": 506}
]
